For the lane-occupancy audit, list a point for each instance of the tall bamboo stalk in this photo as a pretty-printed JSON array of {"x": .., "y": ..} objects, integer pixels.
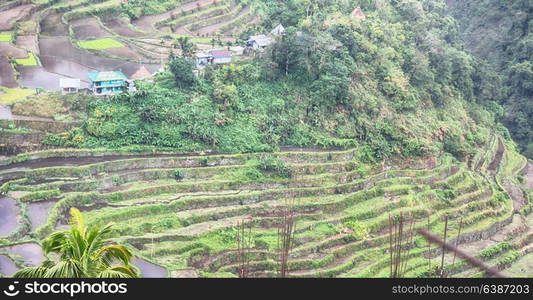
[
  {"x": 443, "y": 248},
  {"x": 244, "y": 245},
  {"x": 457, "y": 241},
  {"x": 401, "y": 235},
  {"x": 285, "y": 240}
]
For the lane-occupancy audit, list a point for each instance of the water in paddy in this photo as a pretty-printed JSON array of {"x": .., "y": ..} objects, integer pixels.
[
  {"x": 5, "y": 113},
  {"x": 31, "y": 253},
  {"x": 149, "y": 270},
  {"x": 38, "y": 213},
  {"x": 7, "y": 266},
  {"x": 8, "y": 215}
]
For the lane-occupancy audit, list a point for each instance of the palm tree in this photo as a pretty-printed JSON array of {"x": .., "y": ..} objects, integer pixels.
[{"x": 82, "y": 252}]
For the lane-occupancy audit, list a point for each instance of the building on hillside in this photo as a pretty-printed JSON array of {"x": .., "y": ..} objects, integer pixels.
[
  {"x": 358, "y": 14},
  {"x": 141, "y": 74},
  {"x": 259, "y": 42},
  {"x": 278, "y": 30},
  {"x": 220, "y": 57},
  {"x": 69, "y": 85},
  {"x": 212, "y": 57},
  {"x": 203, "y": 59},
  {"x": 107, "y": 82}
]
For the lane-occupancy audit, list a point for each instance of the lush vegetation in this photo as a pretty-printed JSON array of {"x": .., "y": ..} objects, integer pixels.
[
  {"x": 100, "y": 44},
  {"x": 501, "y": 35},
  {"x": 396, "y": 83},
  {"x": 6, "y": 37},
  {"x": 9, "y": 96},
  {"x": 29, "y": 61}
]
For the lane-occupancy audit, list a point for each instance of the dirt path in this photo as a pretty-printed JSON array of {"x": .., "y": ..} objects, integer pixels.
[{"x": 9, "y": 17}]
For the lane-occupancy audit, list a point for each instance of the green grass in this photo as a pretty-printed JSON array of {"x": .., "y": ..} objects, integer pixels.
[
  {"x": 9, "y": 96},
  {"x": 29, "y": 61},
  {"x": 6, "y": 37},
  {"x": 100, "y": 44}
]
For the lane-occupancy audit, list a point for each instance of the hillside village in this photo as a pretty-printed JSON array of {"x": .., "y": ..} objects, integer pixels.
[{"x": 257, "y": 138}]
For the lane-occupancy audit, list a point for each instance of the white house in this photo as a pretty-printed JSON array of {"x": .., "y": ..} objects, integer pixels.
[
  {"x": 278, "y": 30},
  {"x": 212, "y": 57},
  {"x": 69, "y": 85},
  {"x": 259, "y": 42},
  {"x": 203, "y": 59}
]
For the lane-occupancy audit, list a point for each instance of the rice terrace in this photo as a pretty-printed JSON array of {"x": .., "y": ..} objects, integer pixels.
[{"x": 227, "y": 138}]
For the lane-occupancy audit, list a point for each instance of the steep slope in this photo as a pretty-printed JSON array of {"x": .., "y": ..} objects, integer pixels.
[{"x": 500, "y": 33}]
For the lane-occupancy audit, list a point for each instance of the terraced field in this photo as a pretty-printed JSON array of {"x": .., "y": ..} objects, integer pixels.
[
  {"x": 187, "y": 227},
  {"x": 70, "y": 24}
]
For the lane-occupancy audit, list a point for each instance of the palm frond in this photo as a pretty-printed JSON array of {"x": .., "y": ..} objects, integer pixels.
[
  {"x": 34, "y": 272},
  {"x": 110, "y": 253},
  {"x": 65, "y": 269},
  {"x": 119, "y": 272},
  {"x": 55, "y": 243},
  {"x": 77, "y": 219}
]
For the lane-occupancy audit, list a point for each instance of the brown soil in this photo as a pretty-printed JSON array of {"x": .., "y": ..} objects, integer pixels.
[
  {"x": 51, "y": 25},
  {"x": 7, "y": 49},
  {"x": 89, "y": 28},
  {"x": 9, "y": 17},
  {"x": 28, "y": 42},
  {"x": 120, "y": 27},
  {"x": 59, "y": 56},
  {"x": 38, "y": 77},
  {"x": 7, "y": 74}
]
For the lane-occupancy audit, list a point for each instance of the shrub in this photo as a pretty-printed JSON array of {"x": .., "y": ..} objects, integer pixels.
[
  {"x": 178, "y": 174},
  {"x": 360, "y": 230},
  {"x": 273, "y": 165}
]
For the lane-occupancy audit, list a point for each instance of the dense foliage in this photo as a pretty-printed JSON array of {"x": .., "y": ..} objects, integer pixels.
[
  {"x": 501, "y": 33},
  {"x": 395, "y": 83}
]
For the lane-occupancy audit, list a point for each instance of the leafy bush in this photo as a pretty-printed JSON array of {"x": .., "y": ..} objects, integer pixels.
[
  {"x": 178, "y": 174},
  {"x": 360, "y": 230},
  {"x": 273, "y": 165}
]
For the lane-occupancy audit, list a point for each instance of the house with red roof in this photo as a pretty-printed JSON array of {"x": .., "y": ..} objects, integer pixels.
[{"x": 220, "y": 56}]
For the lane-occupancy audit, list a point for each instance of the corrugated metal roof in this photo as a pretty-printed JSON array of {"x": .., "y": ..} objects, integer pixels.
[
  {"x": 106, "y": 76},
  {"x": 261, "y": 40}
]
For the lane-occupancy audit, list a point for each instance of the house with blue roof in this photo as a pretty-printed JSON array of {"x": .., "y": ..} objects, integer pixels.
[{"x": 107, "y": 82}]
